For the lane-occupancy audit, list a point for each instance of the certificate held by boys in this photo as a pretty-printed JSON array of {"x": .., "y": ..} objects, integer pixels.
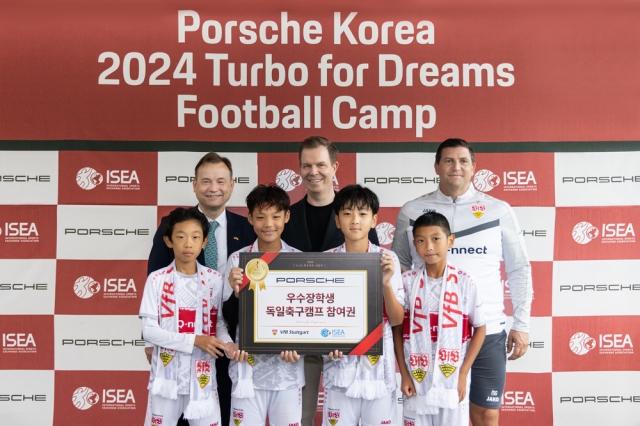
[{"x": 312, "y": 303}]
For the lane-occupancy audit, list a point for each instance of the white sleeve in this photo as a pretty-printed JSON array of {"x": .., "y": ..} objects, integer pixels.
[
  {"x": 152, "y": 333},
  {"x": 227, "y": 291},
  {"x": 476, "y": 310},
  {"x": 149, "y": 303},
  {"x": 401, "y": 242},
  {"x": 518, "y": 269},
  {"x": 222, "y": 331}
]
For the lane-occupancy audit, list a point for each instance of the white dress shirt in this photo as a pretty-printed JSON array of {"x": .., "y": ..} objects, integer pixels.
[{"x": 221, "y": 239}]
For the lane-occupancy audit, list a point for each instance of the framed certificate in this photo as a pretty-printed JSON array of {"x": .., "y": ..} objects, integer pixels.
[{"x": 313, "y": 303}]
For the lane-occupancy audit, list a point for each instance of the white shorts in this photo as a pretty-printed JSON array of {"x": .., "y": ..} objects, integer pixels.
[
  {"x": 284, "y": 408},
  {"x": 166, "y": 412},
  {"x": 341, "y": 410},
  {"x": 445, "y": 417}
]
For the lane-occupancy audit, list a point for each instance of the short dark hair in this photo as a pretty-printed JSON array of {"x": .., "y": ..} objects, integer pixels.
[
  {"x": 213, "y": 158},
  {"x": 180, "y": 215},
  {"x": 356, "y": 196},
  {"x": 432, "y": 219},
  {"x": 313, "y": 142},
  {"x": 454, "y": 143},
  {"x": 265, "y": 196}
]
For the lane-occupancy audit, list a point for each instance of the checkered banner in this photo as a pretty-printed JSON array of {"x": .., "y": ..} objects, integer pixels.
[
  {"x": 76, "y": 230},
  {"x": 86, "y": 85}
]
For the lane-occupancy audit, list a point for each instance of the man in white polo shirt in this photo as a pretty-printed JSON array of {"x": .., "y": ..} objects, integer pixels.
[{"x": 487, "y": 232}]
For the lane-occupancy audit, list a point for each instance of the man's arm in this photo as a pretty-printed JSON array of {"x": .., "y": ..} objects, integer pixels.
[
  {"x": 160, "y": 255},
  {"x": 230, "y": 306},
  {"x": 401, "y": 241},
  {"x": 518, "y": 271}
]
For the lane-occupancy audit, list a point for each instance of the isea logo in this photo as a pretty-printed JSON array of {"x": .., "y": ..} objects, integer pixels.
[
  {"x": 585, "y": 232},
  {"x": 385, "y": 232},
  {"x": 113, "y": 288},
  {"x": 84, "y": 398},
  {"x": 518, "y": 401},
  {"x": 516, "y": 180},
  {"x": 20, "y": 232},
  {"x": 18, "y": 343},
  {"x": 288, "y": 180},
  {"x": 88, "y": 178},
  {"x": 608, "y": 344}
]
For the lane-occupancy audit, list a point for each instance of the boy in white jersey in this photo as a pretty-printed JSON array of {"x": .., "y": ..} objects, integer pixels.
[
  {"x": 362, "y": 388},
  {"x": 179, "y": 310},
  {"x": 435, "y": 342},
  {"x": 264, "y": 385}
]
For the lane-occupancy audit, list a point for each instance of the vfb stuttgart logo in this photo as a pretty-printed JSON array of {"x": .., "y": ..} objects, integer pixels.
[
  {"x": 288, "y": 180},
  {"x": 84, "y": 398},
  {"x": 485, "y": 180},
  {"x": 581, "y": 343},
  {"x": 385, "y": 232},
  {"x": 584, "y": 232}
]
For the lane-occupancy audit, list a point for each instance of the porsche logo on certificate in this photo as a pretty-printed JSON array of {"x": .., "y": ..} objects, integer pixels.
[{"x": 311, "y": 302}]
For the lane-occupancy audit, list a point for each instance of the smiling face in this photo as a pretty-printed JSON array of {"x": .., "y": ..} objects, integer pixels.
[
  {"x": 455, "y": 170},
  {"x": 213, "y": 187},
  {"x": 187, "y": 241},
  {"x": 268, "y": 223},
  {"x": 317, "y": 171},
  {"x": 432, "y": 243},
  {"x": 355, "y": 223}
]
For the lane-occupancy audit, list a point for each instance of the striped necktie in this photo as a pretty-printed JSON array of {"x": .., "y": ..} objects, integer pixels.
[{"x": 211, "y": 250}]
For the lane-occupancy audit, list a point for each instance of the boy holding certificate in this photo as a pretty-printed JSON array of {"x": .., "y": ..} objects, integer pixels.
[
  {"x": 264, "y": 385},
  {"x": 435, "y": 342},
  {"x": 179, "y": 312},
  {"x": 362, "y": 388}
]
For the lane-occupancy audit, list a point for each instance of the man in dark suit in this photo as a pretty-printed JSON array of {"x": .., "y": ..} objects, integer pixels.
[
  {"x": 312, "y": 228},
  {"x": 213, "y": 186}
]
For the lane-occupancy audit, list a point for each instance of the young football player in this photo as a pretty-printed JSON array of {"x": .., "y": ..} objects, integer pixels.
[
  {"x": 363, "y": 388},
  {"x": 436, "y": 342},
  {"x": 179, "y": 313},
  {"x": 264, "y": 385}
]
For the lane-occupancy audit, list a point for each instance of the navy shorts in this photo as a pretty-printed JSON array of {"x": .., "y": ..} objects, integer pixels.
[{"x": 489, "y": 372}]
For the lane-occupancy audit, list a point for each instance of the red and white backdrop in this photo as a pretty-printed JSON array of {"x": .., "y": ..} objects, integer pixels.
[{"x": 106, "y": 106}]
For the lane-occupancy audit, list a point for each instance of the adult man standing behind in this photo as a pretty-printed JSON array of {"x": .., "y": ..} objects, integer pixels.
[
  {"x": 213, "y": 186},
  {"x": 487, "y": 232},
  {"x": 312, "y": 228}
]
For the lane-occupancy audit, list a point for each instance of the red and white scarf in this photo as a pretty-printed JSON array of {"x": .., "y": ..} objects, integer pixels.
[
  {"x": 244, "y": 387},
  {"x": 364, "y": 376},
  {"x": 165, "y": 380},
  {"x": 436, "y": 385}
]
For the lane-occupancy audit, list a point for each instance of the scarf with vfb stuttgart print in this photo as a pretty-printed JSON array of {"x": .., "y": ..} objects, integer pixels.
[
  {"x": 436, "y": 385},
  {"x": 165, "y": 381}
]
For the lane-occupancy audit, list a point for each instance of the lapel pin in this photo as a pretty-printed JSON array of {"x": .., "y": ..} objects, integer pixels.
[{"x": 236, "y": 238}]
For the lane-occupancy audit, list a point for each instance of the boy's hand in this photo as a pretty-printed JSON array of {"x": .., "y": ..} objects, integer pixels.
[
  {"x": 462, "y": 386},
  {"x": 235, "y": 279},
  {"x": 407, "y": 386},
  {"x": 289, "y": 356},
  {"x": 148, "y": 352},
  {"x": 211, "y": 345},
  {"x": 335, "y": 355},
  {"x": 234, "y": 353},
  {"x": 388, "y": 268}
]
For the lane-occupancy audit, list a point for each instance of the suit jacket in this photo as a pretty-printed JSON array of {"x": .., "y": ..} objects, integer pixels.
[
  {"x": 296, "y": 234},
  {"x": 239, "y": 234}
]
